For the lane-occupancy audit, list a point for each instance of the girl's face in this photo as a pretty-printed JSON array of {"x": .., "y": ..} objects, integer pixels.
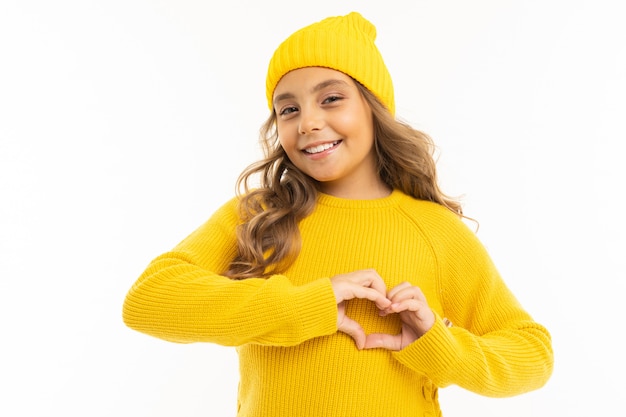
[{"x": 325, "y": 126}]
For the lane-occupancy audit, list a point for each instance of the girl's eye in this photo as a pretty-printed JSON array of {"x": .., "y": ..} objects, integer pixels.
[
  {"x": 331, "y": 99},
  {"x": 287, "y": 111}
]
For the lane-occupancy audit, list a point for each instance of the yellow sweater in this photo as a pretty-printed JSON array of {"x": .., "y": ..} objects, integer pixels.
[{"x": 294, "y": 363}]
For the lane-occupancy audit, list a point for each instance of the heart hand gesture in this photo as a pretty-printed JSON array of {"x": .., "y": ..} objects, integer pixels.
[
  {"x": 415, "y": 315},
  {"x": 405, "y": 299},
  {"x": 366, "y": 284}
]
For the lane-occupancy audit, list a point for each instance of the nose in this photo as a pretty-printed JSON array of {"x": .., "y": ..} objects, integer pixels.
[{"x": 311, "y": 120}]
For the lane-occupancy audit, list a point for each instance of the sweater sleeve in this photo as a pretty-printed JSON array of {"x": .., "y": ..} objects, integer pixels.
[
  {"x": 494, "y": 347},
  {"x": 181, "y": 297}
]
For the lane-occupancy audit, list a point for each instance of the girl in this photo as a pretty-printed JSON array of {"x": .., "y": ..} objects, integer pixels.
[{"x": 347, "y": 280}]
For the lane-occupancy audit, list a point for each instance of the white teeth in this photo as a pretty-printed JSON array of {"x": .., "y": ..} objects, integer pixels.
[{"x": 320, "y": 148}]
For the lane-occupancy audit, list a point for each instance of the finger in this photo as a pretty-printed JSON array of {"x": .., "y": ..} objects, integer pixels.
[
  {"x": 408, "y": 293},
  {"x": 416, "y": 315},
  {"x": 367, "y": 278},
  {"x": 384, "y": 341},
  {"x": 401, "y": 294},
  {"x": 345, "y": 286},
  {"x": 375, "y": 281},
  {"x": 381, "y": 300},
  {"x": 407, "y": 305},
  {"x": 354, "y": 330},
  {"x": 395, "y": 290}
]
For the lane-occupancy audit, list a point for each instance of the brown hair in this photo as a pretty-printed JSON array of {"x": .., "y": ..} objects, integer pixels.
[{"x": 269, "y": 238}]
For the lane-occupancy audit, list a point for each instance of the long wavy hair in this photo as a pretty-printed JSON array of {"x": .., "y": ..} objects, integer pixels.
[{"x": 269, "y": 238}]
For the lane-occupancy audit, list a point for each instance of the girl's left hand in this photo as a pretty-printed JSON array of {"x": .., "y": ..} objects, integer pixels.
[{"x": 416, "y": 316}]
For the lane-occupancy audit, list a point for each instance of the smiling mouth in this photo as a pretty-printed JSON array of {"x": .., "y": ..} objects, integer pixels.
[{"x": 321, "y": 148}]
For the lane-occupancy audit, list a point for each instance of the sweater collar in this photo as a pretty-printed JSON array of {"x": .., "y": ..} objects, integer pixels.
[{"x": 337, "y": 202}]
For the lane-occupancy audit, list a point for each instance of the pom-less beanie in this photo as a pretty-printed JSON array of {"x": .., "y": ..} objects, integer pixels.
[{"x": 343, "y": 43}]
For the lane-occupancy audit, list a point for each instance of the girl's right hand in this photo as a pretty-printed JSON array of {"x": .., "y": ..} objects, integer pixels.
[{"x": 364, "y": 284}]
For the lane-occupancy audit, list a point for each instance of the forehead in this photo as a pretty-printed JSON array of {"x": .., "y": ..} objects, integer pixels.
[{"x": 308, "y": 78}]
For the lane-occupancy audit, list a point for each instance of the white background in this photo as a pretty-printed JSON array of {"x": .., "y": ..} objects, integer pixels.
[{"x": 124, "y": 124}]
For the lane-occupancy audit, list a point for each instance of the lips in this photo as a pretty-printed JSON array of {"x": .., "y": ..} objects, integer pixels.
[{"x": 321, "y": 148}]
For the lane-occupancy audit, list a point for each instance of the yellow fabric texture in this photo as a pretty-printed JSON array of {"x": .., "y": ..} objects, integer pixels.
[
  {"x": 343, "y": 43},
  {"x": 293, "y": 362}
]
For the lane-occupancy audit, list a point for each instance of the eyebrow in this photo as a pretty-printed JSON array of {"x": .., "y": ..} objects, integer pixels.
[{"x": 315, "y": 89}]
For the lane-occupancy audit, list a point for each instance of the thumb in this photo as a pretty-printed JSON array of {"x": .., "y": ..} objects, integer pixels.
[{"x": 382, "y": 340}]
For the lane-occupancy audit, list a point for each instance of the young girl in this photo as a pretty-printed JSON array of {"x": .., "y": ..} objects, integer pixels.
[{"x": 346, "y": 279}]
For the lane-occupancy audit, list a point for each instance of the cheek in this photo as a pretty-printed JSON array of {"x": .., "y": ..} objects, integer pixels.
[
  {"x": 280, "y": 131},
  {"x": 361, "y": 128},
  {"x": 285, "y": 138},
  {"x": 358, "y": 121},
  {"x": 287, "y": 132}
]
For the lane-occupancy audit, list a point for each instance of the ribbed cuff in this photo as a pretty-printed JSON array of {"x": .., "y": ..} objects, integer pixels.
[{"x": 433, "y": 354}]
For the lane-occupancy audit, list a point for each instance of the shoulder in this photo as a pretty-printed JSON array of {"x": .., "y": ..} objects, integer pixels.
[
  {"x": 446, "y": 231},
  {"x": 460, "y": 254},
  {"x": 228, "y": 209},
  {"x": 429, "y": 215}
]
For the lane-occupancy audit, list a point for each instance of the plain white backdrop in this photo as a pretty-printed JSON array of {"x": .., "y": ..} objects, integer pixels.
[{"x": 124, "y": 125}]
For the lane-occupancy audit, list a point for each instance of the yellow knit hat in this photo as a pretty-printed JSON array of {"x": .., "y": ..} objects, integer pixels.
[{"x": 343, "y": 43}]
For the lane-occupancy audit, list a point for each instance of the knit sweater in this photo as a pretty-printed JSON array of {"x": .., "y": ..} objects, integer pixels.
[{"x": 294, "y": 362}]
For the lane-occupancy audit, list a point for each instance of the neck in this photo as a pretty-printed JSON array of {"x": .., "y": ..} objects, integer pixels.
[{"x": 377, "y": 189}]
